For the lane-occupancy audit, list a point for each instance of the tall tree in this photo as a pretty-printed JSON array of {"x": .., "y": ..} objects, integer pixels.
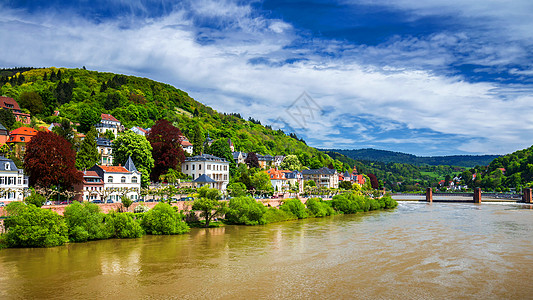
[
  {"x": 220, "y": 148},
  {"x": 197, "y": 140},
  {"x": 208, "y": 203},
  {"x": 7, "y": 118},
  {"x": 373, "y": 181},
  {"x": 65, "y": 130},
  {"x": 251, "y": 160},
  {"x": 291, "y": 162},
  {"x": 88, "y": 154},
  {"x": 50, "y": 160},
  {"x": 32, "y": 101},
  {"x": 166, "y": 148},
  {"x": 140, "y": 150},
  {"x": 88, "y": 117}
]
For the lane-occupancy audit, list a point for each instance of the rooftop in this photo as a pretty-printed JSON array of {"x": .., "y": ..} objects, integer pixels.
[{"x": 206, "y": 157}]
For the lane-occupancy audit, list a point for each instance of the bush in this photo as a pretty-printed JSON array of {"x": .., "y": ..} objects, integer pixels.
[
  {"x": 85, "y": 222},
  {"x": 318, "y": 208},
  {"x": 245, "y": 210},
  {"x": 350, "y": 203},
  {"x": 296, "y": 207},
  {"x": 273, "y": 215},
  {"x": 123, "y": 225},
  {"x": 35, "y": 199},
  {"x": 163, "y": 219},
  {"x": 30, "y": 226}
]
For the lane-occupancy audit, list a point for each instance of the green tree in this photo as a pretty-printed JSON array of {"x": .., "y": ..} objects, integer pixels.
[
  {"x": 164, "y": 219},
  {"x": 220, "y": 148},
  {"x": 88, "y": 154},
  {"x": 85, "y": 222},
  {"x": 318, "y": 208},
  {"x": 296, "y": 207},
  {"x": 88, "y": 117},
  {"x": 237, "y": 189},
  {"x": 245, "y": 210},
  {"x": 197, "y": 140},
  {"x": 65, "y": 131},
  {"x": 261, "y": 181},
  {"x": 346, "y": 185},
  {"x": 208, "y": 204},
  {"x": 31, "y": 101},
  {"x": 291, "y": 162},
  {"x": 30, "y": 226},
  {"x": 140, "y": 150},
  {"x": 126, "y": 201},
  {"x": 7, "y": 118},
  {"x": 123, "y": 225},
  {"x": 35, "y": 199}
]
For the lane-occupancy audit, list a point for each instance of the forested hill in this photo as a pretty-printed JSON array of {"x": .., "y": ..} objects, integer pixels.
[
  {"x": 404, "y": 158},
  {"x": 81, "y": 96}
]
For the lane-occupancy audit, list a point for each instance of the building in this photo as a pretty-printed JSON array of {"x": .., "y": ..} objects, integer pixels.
[
  {"x": 91, "y": 188},
  {"x": 108, "y": 122},
  {"x": 140, "y": 131},
  {"x": 105, "y": 149},
  {"x": 239, "y": 157},
  {"x": 13, "y": 182},
  {"x": 278, "y": 159},
  {"x": 323, "y": 177},
  {"x": 18, "y": 139},
  {"x": 231, "y": 146},
  {"x": 295, "y": 180},
  {"x": 11, "y": 104},
  {"x": 278, "y": 179},
  {"x": 119, "y": 181},
  {"x": 186, "y": 145},
  {"x": 4, "y": 135},
  {"x": 265, "y": 161},
  {"x": 212, "y": 167}
]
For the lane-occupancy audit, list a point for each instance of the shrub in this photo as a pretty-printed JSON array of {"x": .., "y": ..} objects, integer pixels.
[
  {"x": 123, "y": 225},
  {"x": 318, "y": 208},
  {"x": 296, "y": 207},
  {"x": 350, "y": 203},
  {"x": 245, "y": 210},
  {"x": 163, "y": 219},
  {"x": 35, "y": 199},
  {"x": 30, "y": 226},
  {"x": 85, "y": 222},
  {"x": 273, "y": 215}
]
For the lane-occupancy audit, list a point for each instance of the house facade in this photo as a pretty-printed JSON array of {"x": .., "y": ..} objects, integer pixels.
[
  {"x": 18, "y": 139},
  {"x": 186, "y": 145},
  {"x": 108, "y": 122},
  {"x": 13, "y": 182},
  {"x": 323, "y": 177},
  {"x": 105, "y": 149},
  {"x": 239, "y": 157},
  {"x": 265, "y": 161},
  {"x": 91, "y": 188},
  {"x": 140, "y": 131},
  {"x": 278, "y": 179},
  {"x": 11, "y": 104},
  {"x": 4, "y": 135},
  {"x": 212, "y": 167},
  {"x": 119, "y": 181}
]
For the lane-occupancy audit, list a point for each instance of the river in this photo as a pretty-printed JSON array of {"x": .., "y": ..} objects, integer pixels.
[{"x": 417, "y": 251}]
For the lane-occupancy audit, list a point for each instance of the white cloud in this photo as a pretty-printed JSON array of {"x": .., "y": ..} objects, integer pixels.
[{"x": 489, "y": 116}]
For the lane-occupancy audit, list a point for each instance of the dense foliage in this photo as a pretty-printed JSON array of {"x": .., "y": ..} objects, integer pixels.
[
  {"x": 164, "y": 219},
  {"x": 316, "y": 207},
  {"x": 31, "y": 226},
  {"x": 140, "y": 150},
  {"x": 166, "y": 149},
  {"x": 245, "y": 211},
  {"x": 350, "y": 203},
  {"x": 296, "y": 207},
  {"x": 85, "y": 222},
  {"x": 123, "y": 225}
]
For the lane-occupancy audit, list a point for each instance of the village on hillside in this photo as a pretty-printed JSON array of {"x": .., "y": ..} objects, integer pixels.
[{"x": 109, "y": 179}]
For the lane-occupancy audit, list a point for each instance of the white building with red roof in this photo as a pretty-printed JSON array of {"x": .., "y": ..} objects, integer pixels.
[
  {"x": 119, "y": 181},
  {"x": 108, "y": 122}
]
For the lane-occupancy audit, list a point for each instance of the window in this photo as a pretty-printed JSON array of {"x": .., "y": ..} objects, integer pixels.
[
  {"x": 22, "y": 139},
  {"x": 123, "y": 179},
  {"x": 187, "y": 167},
  {"x": 110, "y": 179},
  {"x": 209, "y": 167},
  {"x": 7, "y": 166},
  {"x": 199, "y": 167},
  {"x": 134, "y": 179},
  {"x": 193, "y": 167}
]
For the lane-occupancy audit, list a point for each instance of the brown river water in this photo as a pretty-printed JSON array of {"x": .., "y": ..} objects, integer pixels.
[{"x": 417, "y": 251}]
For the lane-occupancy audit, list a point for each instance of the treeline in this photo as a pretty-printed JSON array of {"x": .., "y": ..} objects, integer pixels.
[
  {"x": 79, "y": 94},
  {"x": 369, "y": 154}
]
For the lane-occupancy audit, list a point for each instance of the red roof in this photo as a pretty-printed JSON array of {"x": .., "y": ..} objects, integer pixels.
[
  {"x": 276, "y": 174},
  {"x": 185, "y": 144},
  {"x": 108, "y": 117},
  {"x": 22, "y": 132},
  {"x": 114, "y": 169},
  {"x": 7, "y": 102},
  {"x": 90, "y": 174}
]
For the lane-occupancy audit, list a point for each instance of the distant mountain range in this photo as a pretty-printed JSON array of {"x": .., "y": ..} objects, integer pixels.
[{"x": 370, "y": 154}]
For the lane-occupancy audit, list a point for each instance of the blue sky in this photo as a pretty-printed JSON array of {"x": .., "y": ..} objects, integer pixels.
[{"x": 425, "y": 77}]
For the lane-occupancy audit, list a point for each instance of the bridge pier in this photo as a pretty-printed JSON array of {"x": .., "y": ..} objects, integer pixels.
[
  {"x": 477, "y": 195},
  {"x": 429, "y": 195},
  {"x": 527, "y": 195}
]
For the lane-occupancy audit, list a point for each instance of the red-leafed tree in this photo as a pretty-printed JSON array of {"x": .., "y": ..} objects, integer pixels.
[
  {"x": 50, "y": 160},
  {"x": 251, "y": 160},
  {"x": 373, "y": 181},
  {"x": 166, "y": 148}
]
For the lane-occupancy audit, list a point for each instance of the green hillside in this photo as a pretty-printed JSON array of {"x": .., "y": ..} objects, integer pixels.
[
  {"x": 385, "y": 156},
  {"x": 140, "y": 102}
]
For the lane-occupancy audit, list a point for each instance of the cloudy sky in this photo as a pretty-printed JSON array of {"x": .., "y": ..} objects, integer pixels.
[{"x": 425, "y": 77}]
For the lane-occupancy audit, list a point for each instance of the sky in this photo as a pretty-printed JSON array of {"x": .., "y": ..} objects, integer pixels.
[{"x": 440, "y": 77}]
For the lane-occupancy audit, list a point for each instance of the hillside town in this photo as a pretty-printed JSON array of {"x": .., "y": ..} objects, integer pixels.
[{"x": 109, "y": 179}]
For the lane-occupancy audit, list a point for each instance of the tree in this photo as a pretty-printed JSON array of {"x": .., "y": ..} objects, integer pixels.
[
  {"x": 245, "y": 210},
  {"x": 220, "y": 148},
  {"x": 85, "y": 222},
  {"x": 251, "y": 160},
  {"x": 166, "y": 148},
  {"x": 126, "y": 202},
  {"x": 197, "y": 140},
  {"x": 50, "y": 160},
  {"x": 88, "y": 117},
  {"x": 237, "y": 189},
  {"x": 209, "y": 205},
  {"x": 140, "y": 150},
  {"x": 35, "y": 199},
  {"x": 88, "y": 154},
  {"x": 373, "y": 181},
  {"x": 31, "y": 101},
  {"x": 261, "y": 181},
  {"x": 30, "y": 226},
  {"x": 346, "y": 185},
  {"x": 164, "y": 219},
  {"x": 291, "y": 162},
  {"x": 65, "y": 131},
  {"x": 7, "y": 118}
]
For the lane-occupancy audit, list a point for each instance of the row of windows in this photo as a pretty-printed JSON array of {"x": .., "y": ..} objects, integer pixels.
[
  {"x": 217, "y": 177},
  {"x": 215, "y": 167},
  {"x": 11, "y": 181},
  {"x": 122, "y": 179}
]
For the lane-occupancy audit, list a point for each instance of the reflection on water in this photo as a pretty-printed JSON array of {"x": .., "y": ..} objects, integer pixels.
[{"x": 419, "y": 250}]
